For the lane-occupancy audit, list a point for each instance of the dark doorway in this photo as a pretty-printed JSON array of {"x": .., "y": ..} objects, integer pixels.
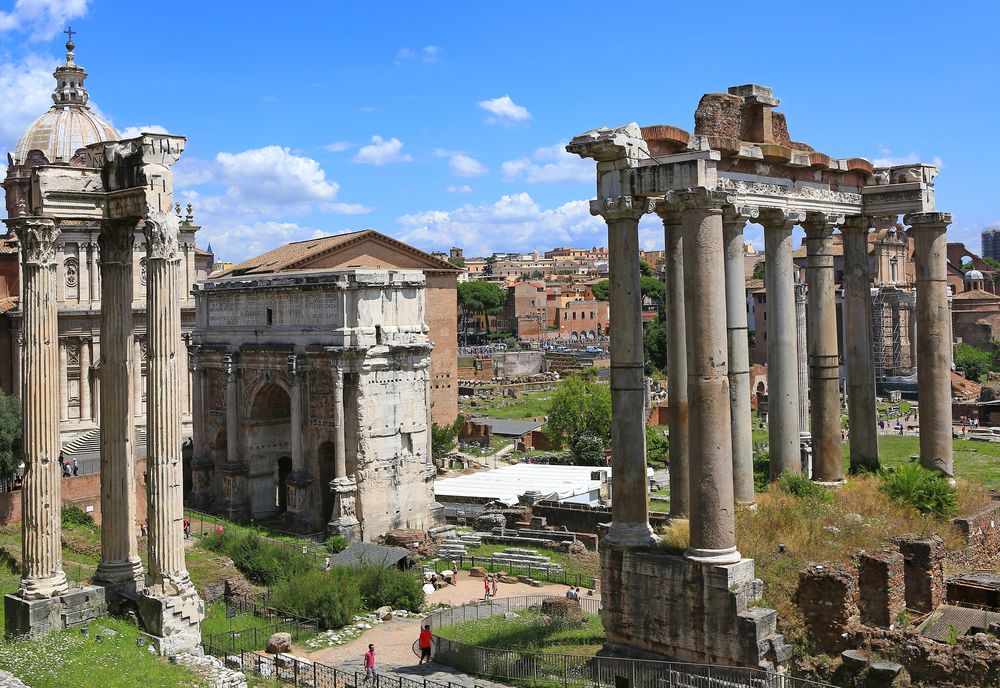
[{"x": 284, "y": 468}]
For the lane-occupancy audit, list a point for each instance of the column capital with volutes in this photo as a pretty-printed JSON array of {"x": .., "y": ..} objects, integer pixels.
[
  {"x": 668, "y": 211},
  {"x": 621, "y": 207},
  {"x": 856, "y": 223},
  {"x": 928, "y": 220},
  {"x": 780, "y": 218},
  {"x": 819, "y": 225},
  {"x": 38, "y": 237},
  {"x": 739, "y": 214},
  {"x": 700, "y": 198}
]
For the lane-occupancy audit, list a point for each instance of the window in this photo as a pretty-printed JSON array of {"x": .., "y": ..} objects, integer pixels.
[
  {"x": 378, "y": 334},
  {"x": 270, "y": 317},
  {"x": 406, "y": 440}
]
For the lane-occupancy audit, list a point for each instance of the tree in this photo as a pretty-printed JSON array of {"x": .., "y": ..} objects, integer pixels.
[
  {"x": 10, "y": 435},
  {"x": 648, "y": 285},
  {"x": 601, "y": 290},
  {"x": 657, "y": 446},
  {"x": 587, "y": 449},
  {"x": 488, "y": 265},
  {"x": 654, "y": 342},
  {"x": 992, "y": 262},
  {"x": 443, "y": 438},
  {"x": 975, "y": 362},
  {"x": 758, "y": 270},
  {"x": 457, "y": 262},
  {"x": 481, "y": 297},
  {"x": 579, "y": 405}
]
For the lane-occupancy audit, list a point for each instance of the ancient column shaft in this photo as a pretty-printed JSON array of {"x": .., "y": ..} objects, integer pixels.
[
  {"x": 824, "y": 357},
  {"x": 339, "y": 436},
  {"x": 802, "y": 358},
  {"x": 934, "y": 330},
  {"x": 119, "y": 566},
  {"x": 677, "y": 399},
  {"x": 782, "y": 346},
  {"x": 630, "y": 498},
  {"x": 167, "y": 572},
  {"x": 739, "y": 355},
  {"x": 63, "y": 381},
  {"x": 296, "y": 413},
  {"x": 859, "y": 351},
  {"x": 232, "y": 412},
  {"x": 41, "y": 494},
  {"x": 713, "y": 518},
  {"x": 85, "y": 405}
]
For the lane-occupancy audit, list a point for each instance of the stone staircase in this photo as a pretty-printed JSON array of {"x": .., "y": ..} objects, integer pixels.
[{"x": 88, "y": 445}]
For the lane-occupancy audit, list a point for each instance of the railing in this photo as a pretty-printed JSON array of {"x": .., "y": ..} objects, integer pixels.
[
  {"x": 302, "y": 672},
  {"x": 537, "y": 572},
  {"x": 86, "y": 466},
  {"x": 202, "y": 523},
  {"x": 549, "y": 669}
]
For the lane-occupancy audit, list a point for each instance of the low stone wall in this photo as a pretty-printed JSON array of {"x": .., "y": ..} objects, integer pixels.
[
  {"x": 982, "y": 532},
  {"x": 828, "y": 598},
  {"x": 83, "y": 492},
  {"x": 582, "y": 518},
  {"x": 881, "y": 588}
]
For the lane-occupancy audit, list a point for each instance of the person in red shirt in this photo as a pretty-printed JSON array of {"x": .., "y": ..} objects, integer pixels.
[
  {"x": 425, "y": 644},
  {"x": 370, "y": 664}
]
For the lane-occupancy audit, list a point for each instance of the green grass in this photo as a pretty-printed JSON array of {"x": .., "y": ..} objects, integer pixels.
[
  {"x": 975, "y": 461},
  {"x": 529, "y": 405},
  {"x": 530, "y": 632},
  {"x": 588, "y": 565},
  {"x": 216, "y": 622},
  {"x": 69, "y": 658}
]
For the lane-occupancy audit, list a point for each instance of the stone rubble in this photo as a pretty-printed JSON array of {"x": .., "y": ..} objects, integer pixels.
[{"x": 210, "y": 668}]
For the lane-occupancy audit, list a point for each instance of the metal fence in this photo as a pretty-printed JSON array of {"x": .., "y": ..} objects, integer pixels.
[
  {"x": 302, "y": 672},
  {"x": 548, "y": 669},
  {"x": 536, "y": 572},
  {"x": 202, "y": 523}
]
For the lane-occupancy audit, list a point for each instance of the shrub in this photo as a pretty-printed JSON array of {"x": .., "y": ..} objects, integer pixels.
[
  {"x": 800, "y": 486},
  {"x": 587, "y": 449},
  {"x": 73, "y": 516},
  {"x": 657, "y": 446},
  {"x": 262, "y": 562},
  {"x": 336, "y": 543},
  {"x": 387, "y": 586},
  {"x": 761, "y": 471},
  {"x": 332, "y": 597},
  {"x": 925, "y": 490}
]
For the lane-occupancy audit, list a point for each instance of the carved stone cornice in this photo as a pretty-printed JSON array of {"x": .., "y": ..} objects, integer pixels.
[
  {"x": 621, "y": 207},
  {"x": 38, "y": 237},
  {"x": 161, "y": 230},
  {"x": 929, "y": 220}
]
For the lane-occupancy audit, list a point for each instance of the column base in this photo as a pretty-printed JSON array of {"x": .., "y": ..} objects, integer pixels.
[
  {"x": 345, "y": 521},
  {"x": 39, "y": 617},
  {"x": 235, "y": 504},
  {"x": 806, "y": 453},
  {"x": 630, "y": 535},
  {"x": 120, "y": 578},
  {"x": 43, "y": 588},
  {"x": 173, "y": 622},
  {"x": 714, "y": 557}
]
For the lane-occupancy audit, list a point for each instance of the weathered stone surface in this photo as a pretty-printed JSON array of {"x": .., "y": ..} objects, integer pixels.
[
  {"x": 924, "y": 572},
  {"x": 828, "y": 599},
  {"x": 854, "y": 660},
  {"x": 8, "y": 680},
  {"x": 477, "y": 572},
  {"x": 881, "y": 587},
  {"x": 384, "y": 613},
  {"x": 563, "y": 608},
  {"x": 279, "y": 642}
]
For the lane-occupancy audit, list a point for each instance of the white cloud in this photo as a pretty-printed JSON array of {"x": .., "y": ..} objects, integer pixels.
[
  {"x": 429, "y": 54},
  {"x": 548, "y": 164},
  {"x": 456, "y": 188},
  {"x": 273, "y": 174},
  {"x": 382, "y": 152},
  {"x": 515, "y": 222},
  {"x": 505, "y": 111},
  {"x": 338, "y": 146},
  {"x": 132, "y": 132},
  {"x": 41, "y": 18},
  {"x": 27, "y": 85},
  {"x": 464, "y": 166},
  {"x": 235, "y": 242},
  {"x": 887, "y": 159}
]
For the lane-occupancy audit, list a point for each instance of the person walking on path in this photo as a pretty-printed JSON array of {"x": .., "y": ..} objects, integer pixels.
[
  {"x": 76, "y": 467},
  {"x": 370, "y": 664},
  {"x": 496, "y": 584},
  {"x": 486, "y": 585},
  {"x": 425, "y": 644}
]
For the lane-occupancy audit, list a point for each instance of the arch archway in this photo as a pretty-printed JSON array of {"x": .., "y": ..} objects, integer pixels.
[
  {"x": 268, "y": 446},
  {"x": 271, "y": 402},
  {"x": 284, "y": 467}
]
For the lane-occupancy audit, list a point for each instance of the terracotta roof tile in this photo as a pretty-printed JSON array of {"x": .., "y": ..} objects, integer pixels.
[{"x": 974, "y": 295}]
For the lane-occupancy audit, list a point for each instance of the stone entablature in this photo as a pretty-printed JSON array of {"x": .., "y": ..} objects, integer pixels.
[{"x": 314, "y": 395}]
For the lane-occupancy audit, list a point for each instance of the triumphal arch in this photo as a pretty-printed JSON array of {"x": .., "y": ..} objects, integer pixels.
[
  {"x": 740, "y": 165},
  {"x": 116, "y": 188}
]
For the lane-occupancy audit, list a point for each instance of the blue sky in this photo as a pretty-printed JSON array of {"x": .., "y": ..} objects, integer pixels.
[{"x": 442, "y": 123}]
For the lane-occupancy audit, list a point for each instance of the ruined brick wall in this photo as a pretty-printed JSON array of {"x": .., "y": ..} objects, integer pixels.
[
  {"x": 479, "y": 368},
  {"x": 828, "y": 598},
  {"x": 659, "y": 415},
  {"x": 83, "y": 492},
  {"x": 472, "y": 432},
  {"x": 923, "y": 572},
  {"x": 982, "y": 533},
  {"x": 881, "y": 587},
  {"x": 972, "y": 661}
]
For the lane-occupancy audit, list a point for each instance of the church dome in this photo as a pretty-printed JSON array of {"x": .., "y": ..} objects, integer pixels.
[
  {"x": 69, "y": 125},
  {"x": 974, "y": 275}
]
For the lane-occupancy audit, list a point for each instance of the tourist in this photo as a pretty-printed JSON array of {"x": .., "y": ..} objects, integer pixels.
[
  {"x": 569, "y": 593},
  {"x": 496, "y": 583},
  {"x": 326, "y": 564},
  {"x": 370, "y": 664},
  {"x": 486, "y": 585},
  {"x": 76, "y": 467},
  {"x": 218, "y": 529},
  {"x": 144, "y": 528},
  {"x": 425, "y": 644},
  {"x": 187, "y": 529}
]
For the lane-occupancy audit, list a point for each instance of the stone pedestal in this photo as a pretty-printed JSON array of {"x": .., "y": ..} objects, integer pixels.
[
  {"x": 235, "y": 503},
  {"x": 660, "y": 606},
  {"x": 203, "y": 479},
  {"x": 345, "y": 522},
  {"x": 173, "y": 622},
  {"x": 298, "y": 516},
  {"x": 35, "y": 618}
]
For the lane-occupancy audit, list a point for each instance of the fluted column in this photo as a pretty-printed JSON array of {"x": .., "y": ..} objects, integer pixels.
[
  {"x": 630, "y": 499},
  {"x": 295, "y": 377},
  {"x": 232, "y": 413},
  {"x": 41, "y": 494},
  {"x": 802, "y": 359},
  {"x": 733, "y": 221},
  {"x": 677, "y": 397},
  {"x": 859, "y": 351},
  {"x": 934, "y": 330},
  {"x": 63, "y": 380},
  {"x": 167, "y": 572},
  {"x": 137, "y": 376},
  {"x": 824, "y": 357},
  {"x": 85, "y": 404},
  {"x": 782, "y": 366},
  {"x": 119, "y": 567},
  {"x": 713, "y": 518}
]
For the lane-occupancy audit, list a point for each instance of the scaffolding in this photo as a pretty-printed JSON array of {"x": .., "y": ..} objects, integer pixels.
[{"x": 892, "y": 329}]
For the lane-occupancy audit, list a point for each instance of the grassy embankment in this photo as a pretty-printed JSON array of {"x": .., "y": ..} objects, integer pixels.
[{"x": 530, "y": 632}]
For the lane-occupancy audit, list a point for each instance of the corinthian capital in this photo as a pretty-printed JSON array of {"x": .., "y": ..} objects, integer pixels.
[
  {"x": 621, "y": 207},
  {"x": 701, "y": 198},
  {"x": 162, "y": 230},
  {"x": 38, "y": 236}
]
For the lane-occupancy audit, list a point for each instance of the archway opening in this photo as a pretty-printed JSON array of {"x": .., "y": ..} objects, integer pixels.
[{"x": 281, "y": 493}]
